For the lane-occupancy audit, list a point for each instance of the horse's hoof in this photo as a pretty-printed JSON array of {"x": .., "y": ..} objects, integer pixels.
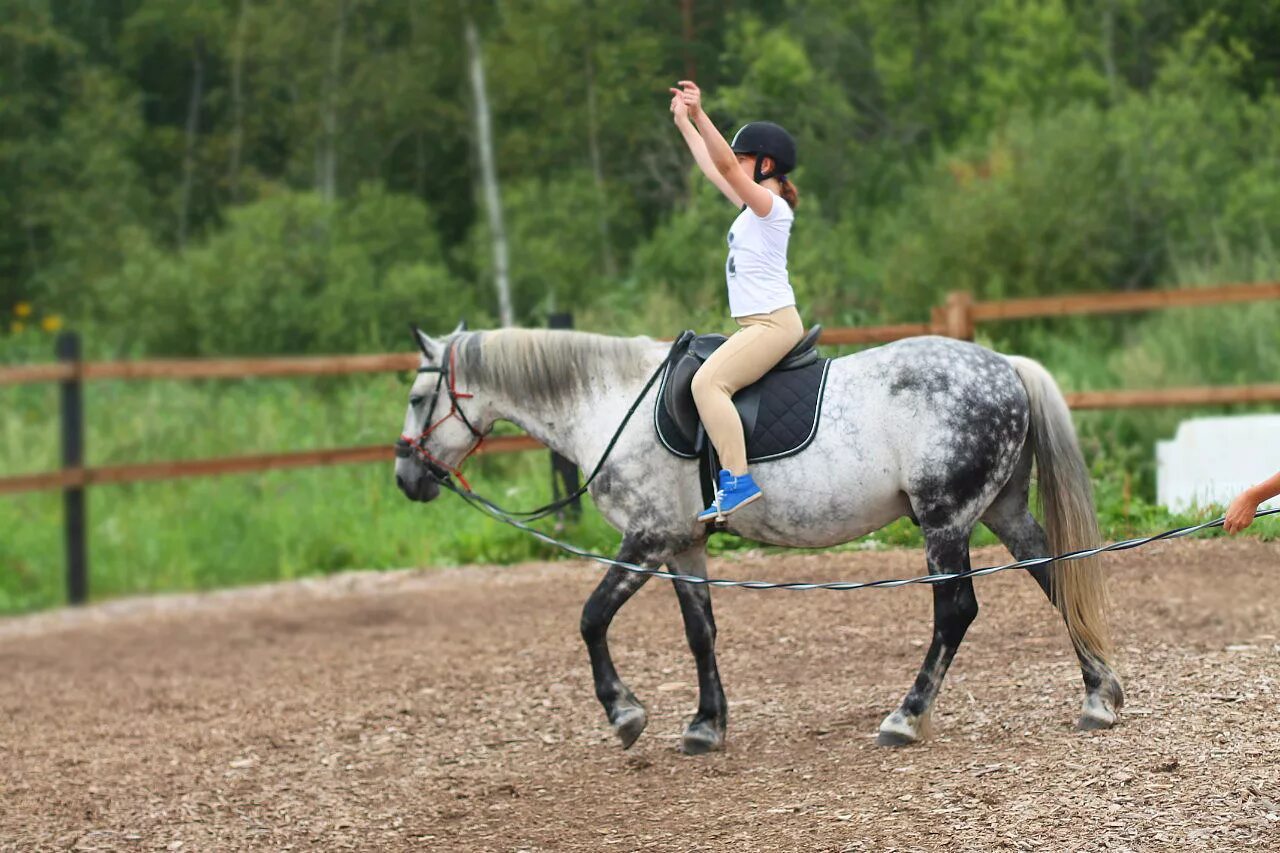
[
  {"x": 1088, "y": 723},
  {"x": 884, "y": 738},
  {"x": 899, "y": 730},
  {"x": 629, "y": 722},
  {"x": 701, "y": 738},
  {"x": 1096, "y": 713}
]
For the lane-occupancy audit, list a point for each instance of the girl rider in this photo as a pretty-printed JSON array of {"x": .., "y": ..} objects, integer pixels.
[{"x": 752, "y": 173}]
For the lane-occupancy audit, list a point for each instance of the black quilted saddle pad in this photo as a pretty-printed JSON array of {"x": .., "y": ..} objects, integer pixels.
[{"x": 786, "y": 417}]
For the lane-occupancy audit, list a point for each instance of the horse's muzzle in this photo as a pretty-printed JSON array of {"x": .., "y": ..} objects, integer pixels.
[
  {"x": 424, "y": 489},
  {"x": 423, "y": 484}
]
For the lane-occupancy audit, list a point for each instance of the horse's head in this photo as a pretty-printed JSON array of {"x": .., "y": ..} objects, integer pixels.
[{"x": 441, "y": 427}]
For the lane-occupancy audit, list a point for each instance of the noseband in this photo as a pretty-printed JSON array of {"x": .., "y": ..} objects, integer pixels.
[{"x": 446, "y": 378}]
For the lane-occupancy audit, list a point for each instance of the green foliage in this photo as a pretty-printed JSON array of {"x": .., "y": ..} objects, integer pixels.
[
  {"x": 1015, "y": 147},
  {"x": 85, "y": 191},
  {"x": 686, "y": 255},
  {"x": 1036, "y": 60},
  {"x": 542, "y": 219},
  {"x": 290, "y": 273},
  {"x": 1037, "y": 211}
]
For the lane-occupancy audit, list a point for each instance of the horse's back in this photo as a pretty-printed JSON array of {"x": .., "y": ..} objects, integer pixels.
[{"x": 932, "y": 404}]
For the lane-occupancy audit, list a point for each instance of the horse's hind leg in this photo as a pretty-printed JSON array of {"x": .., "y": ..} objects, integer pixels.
[
  {"x": 626, "y": 713},
  {"x": 705, "y": 732},
  {"x": 1025, "y": 539},
  {"x": 954, "y": 609}
]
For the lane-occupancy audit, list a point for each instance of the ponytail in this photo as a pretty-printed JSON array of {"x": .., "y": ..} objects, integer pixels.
[{"x": 789, "y": 192}]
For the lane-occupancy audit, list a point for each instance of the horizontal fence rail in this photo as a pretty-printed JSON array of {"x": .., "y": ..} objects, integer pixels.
[
  {"x": 328, "y": 365},
  {"x": 209, "y": 368},
  {"x": 145, "y": 471},
  {"x": 873, "y": 334},
  {"x": 957, "y": 317},
  {"x": 1120, "y": 303},
  {"x": 1158, "y": 397},
  {"x": 181, "y": 468}
]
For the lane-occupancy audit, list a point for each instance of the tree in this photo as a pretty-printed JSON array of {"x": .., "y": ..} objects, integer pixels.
[{"x": 488, "y": 174}]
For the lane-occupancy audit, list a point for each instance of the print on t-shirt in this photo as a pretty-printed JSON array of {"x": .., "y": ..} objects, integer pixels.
[{"x": 731, "y": 267}]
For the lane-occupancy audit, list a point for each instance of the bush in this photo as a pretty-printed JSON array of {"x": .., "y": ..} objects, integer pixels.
[{"x": 291, "y": 273}]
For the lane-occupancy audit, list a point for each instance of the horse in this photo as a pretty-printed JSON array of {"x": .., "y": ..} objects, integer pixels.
[{"x": 939, "y": 430}]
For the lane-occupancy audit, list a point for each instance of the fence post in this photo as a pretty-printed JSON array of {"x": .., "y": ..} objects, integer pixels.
[
  {"x": 73, "y": 504},
  {"x": 954, "y": 318},
  {"x": 564, "y": 474}
]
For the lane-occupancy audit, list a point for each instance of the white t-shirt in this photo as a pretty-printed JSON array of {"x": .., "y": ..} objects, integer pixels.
[{"x": 756, "y": 269}]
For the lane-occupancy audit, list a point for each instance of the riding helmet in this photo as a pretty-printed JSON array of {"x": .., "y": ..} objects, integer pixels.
[{"x": 766, "y": 139}]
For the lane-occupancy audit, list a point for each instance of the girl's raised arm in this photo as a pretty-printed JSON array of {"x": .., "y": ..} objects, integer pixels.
[
  {"x": 698, "y": 147},
  {"x": 759, "y": 199}
]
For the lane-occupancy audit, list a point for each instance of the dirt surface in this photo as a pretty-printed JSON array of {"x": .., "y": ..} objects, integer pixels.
[{"x": 453, "y": 710}]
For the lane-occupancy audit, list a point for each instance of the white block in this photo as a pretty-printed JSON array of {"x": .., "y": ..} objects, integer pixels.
[{"x": 1211, "y": 460}]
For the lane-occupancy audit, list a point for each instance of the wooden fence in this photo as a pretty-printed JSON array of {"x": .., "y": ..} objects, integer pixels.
[{"x": 957, "y": 317}]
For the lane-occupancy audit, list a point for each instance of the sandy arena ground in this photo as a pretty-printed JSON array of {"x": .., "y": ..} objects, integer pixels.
[{"x": 453, "y": 710}]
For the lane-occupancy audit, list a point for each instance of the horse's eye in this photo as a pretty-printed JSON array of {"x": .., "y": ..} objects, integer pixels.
[{"x": 416, "y": 400}]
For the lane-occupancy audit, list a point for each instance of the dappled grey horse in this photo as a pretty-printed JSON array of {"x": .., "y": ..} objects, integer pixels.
[{"x": 939, "y": 430}]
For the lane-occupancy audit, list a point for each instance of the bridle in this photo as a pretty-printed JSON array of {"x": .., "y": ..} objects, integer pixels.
[
  {"x": 446, "y": 378},
  {"x": 409, "y": 446}
]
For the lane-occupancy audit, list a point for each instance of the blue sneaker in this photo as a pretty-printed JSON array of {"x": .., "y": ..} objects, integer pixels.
[{"x": 733, "y": 494}]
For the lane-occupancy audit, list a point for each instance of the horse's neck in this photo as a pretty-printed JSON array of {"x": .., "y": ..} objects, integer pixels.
[{"x": 578, "y": 425}]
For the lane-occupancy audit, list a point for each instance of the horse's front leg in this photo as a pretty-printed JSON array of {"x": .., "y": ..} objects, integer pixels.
[
  {"x": 705, "y": 732},
  {"x": 626, "y": 713}
]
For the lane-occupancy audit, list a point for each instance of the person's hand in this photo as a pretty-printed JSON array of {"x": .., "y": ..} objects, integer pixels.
[
  {"x": 1240, "y": 513},
  {"x": 679, "y": 110},
  {"x": 691, "y": 95}
]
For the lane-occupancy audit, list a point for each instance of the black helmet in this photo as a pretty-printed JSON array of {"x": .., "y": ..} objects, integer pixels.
[{"x": 766, "y": 139}]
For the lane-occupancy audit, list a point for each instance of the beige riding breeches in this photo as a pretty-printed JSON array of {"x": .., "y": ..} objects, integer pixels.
[{"x": 748, "y": 355}]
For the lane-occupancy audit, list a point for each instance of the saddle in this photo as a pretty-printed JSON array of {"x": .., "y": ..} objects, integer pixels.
[{"x": 779, "y": 412}]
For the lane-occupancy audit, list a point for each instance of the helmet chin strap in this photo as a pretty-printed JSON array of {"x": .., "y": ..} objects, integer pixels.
[{"x": 759, "y": 169}]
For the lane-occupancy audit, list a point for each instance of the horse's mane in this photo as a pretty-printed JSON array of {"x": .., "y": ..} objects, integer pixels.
[{"x": 546, "y": 365}]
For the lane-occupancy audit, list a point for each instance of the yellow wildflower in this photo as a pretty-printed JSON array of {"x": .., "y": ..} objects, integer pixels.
[
  {"x": 52, "y": 323},
  {"x": 17, "y": 327},
  {"x": 22, "y": 309}
]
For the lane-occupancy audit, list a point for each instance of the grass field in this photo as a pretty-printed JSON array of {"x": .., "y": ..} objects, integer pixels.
[{"x": 213, "y": 532}]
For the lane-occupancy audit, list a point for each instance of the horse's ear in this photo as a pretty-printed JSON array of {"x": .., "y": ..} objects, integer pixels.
[
  {"x": 462, "y": 327},
  {"x": 424, "y": 343}
]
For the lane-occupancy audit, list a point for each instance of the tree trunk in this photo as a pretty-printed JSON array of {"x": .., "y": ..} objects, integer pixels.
[
  {"x": 1109, "y": 47},
  {"x": 488, "y": 174},
  {"x": 193, "y": 127},
  {"x": 327, "y": 167},
  {"x": 686, "y": 32},
  {"x": 419, "y": 143},
  {"x": 237, "y": 103},
  {"x": 419, "y": 165},
  {"x": 1135, "y": 277},
  {"x": 597, "y": 169}
]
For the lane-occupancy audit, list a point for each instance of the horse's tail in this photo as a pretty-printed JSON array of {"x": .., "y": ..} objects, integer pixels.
[{"x": 1066, "y": 503}]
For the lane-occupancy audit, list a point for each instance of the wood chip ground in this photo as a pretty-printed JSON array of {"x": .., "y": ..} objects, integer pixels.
[{"x": 453, "y": 710}]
